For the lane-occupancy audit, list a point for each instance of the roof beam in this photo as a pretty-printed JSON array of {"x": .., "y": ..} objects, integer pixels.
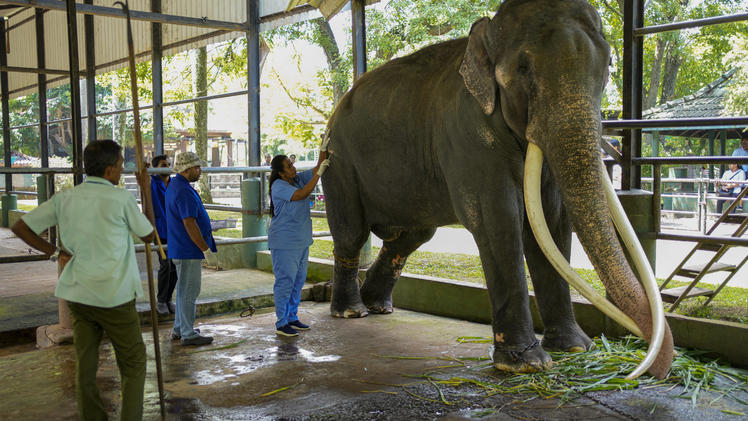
[
  {"x": 88, "y": 9},
  {"x": 33, "y": 70}
]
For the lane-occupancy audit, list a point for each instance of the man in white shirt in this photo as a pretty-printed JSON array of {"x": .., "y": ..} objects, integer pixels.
[{"x": 100, "y": 278}]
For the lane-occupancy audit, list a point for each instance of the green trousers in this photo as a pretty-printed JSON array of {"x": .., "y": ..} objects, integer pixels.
[{"x": 122, "y": 325}]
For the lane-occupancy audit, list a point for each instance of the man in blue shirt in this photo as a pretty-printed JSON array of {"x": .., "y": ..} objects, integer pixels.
[
  {"x": 190, "y": 236},
  {"x": 742, "y": 150},
  {"x": 167, "y": 272}
]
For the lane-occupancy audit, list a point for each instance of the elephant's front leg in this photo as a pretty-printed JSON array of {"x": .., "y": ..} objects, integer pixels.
[
  {"x": 561, "y": 331},
  {"x": 384, "y": 273},
  {"x": 516, "y": 349}
]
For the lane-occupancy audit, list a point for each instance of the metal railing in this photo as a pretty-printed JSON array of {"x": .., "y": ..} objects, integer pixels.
[{"x": 261, "y": 170}]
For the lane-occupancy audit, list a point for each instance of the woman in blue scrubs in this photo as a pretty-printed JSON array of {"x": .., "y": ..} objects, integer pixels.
[{"x": 289, "y": 237}]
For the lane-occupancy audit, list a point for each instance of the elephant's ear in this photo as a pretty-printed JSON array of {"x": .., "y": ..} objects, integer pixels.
[{"x": 477, "y": 69}]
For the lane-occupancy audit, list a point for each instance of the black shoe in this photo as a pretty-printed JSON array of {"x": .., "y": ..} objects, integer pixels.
[
  {"x": 298, "y": 325},
  {"x": 162, "y": 308},
  {"x": 286, "y": 330},
  {"x": 198, "y": 340},
  {"x": 177, "y": 336}
]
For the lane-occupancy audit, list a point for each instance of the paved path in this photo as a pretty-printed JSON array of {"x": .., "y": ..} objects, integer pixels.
[{"x": 669, "y": 253}]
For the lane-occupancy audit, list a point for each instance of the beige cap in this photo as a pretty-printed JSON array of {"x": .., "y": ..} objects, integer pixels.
[{"x": 187, "y": 160}]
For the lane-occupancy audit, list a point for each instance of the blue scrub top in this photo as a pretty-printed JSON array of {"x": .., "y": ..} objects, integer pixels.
[
  {"x": 291, "y": 227},
  {"x": 158, "y": 197},
  {"x": 182, "y": 201}
]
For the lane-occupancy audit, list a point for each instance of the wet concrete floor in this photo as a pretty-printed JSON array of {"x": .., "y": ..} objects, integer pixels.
[{"x": 333, "y": 371}]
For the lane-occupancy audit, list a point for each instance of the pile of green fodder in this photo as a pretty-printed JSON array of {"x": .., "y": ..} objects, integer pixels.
[{"x": 602, "y": 368}]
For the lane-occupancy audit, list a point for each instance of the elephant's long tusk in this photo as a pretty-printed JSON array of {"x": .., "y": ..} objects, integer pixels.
[
  {"x": 536, "y": 217},
  {"x": 645, "y": 274}
]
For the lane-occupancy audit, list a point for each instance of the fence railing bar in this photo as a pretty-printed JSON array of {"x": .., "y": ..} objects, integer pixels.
[
  {"x": 739, "y": 122},
  {"x": 140, "y": 248},
  {"x": 707, "y": 239},
  {"x": 695, "y": 23}
]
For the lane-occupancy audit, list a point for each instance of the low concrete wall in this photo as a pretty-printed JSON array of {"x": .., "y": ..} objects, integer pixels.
[
  {"x": 228, "y": 257},
  {"x": 469, "y": 301}
]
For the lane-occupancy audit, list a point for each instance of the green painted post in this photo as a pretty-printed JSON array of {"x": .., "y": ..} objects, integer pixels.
[
  {"x": 638, "y": 207},
  {"x": 9, "y": 203},
  {"x": 253, "y": 223},
  {"x": 41, "y": 189}
]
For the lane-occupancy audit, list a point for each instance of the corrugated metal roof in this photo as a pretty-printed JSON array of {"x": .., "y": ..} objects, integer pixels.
[
  {"x": 110, "y": 35},
  {"x": 706, "y": 102}
]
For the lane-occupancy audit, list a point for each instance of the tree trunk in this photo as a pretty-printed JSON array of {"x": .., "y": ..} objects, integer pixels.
[
  {"x": 332, "y": 53},
  {"x": 670, "y": 74},
  {"x": 200, "y": 88},
  {"x": 654, "y": 77}
]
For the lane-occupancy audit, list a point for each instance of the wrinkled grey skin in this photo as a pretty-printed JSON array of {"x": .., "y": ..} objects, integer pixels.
[{"x": 440, "y": 137}]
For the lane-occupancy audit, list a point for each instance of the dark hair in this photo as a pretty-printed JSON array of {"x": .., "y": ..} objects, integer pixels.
[
  {"x": 99, "y": 155},
  {"x": 276, "y": 167},
  {"x": 157, "y": 160}
]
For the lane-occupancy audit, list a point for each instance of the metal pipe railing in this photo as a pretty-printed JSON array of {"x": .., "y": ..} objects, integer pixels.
[
  {"x": 738, "y": 122},
  {"x": 695, "y": 23},
  {"x": 140, "y": 248},
  {"x": 24, "y": 193}
]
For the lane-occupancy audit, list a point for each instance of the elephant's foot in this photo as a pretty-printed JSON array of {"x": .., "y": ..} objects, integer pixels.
[
  {"x": 567, "y": 340},
  {"x": 380, "y": 308},
  {"x": 348, "y": 312},
  {"x": 376, "y": 301},
  {"x": 529, "y": 359},
  {"x": 346, "y": 298}
]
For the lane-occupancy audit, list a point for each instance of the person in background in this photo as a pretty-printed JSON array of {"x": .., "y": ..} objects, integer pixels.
[
  {"x": 292, "y": 158},
  {"x": 742, "y": 150},
  {"x": 728, "y": 186},
  {"x": 100, "y": 278},
  {"x": 190, "y": 236},
  {"x": 289, "y": 236},
  {"x": 267, "y": 160},
  {"x": 167, "y": 272}
]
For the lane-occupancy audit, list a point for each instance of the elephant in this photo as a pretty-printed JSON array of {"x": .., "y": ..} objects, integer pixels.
[{"x": 440, "y": 137}]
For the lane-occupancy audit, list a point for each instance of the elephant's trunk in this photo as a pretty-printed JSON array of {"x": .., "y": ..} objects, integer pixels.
[{"x": 569, "y": 135}]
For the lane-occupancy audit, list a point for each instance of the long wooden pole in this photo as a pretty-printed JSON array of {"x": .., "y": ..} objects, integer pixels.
[{"x": 145, "y": 199}]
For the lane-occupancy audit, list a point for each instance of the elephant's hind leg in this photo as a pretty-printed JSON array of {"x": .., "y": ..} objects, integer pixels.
[
  {"x": 349, "y": 232},
  {"x": 381, "y": 277}
]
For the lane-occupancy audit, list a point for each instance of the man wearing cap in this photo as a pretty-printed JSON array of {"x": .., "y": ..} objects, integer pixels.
[{"x": 190, "y": 236}]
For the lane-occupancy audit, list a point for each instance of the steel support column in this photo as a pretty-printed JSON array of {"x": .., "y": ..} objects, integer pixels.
[
  {"x": 5, "y": 103},
  {"x": 358, "y": 32},
  {"x": 359, "y": 37},
  {"x": 157, "y": 79},
  {"x": 75, "y": 92},
  {"x": 633, "y": 47},
  {"x": 88, "y": 22},
  {"x": 41, "y": 62},
  {"x": 253, "y": 81}
]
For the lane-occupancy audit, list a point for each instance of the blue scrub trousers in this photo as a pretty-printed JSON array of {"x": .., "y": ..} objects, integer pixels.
[{"x": 289, "y": 267}]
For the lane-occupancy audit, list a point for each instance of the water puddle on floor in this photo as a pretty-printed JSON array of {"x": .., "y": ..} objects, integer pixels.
[{"x": 229, "y": 365}]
